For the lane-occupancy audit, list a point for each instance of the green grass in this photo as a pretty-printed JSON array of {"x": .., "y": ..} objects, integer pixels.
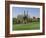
[{"x": 31, "y": 26}]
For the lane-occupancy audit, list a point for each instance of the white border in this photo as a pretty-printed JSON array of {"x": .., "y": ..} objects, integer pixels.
[{"x": 25, "y": 31}]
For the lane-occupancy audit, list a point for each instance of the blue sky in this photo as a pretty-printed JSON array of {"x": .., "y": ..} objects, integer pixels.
[{"x": 20, "y": 10}]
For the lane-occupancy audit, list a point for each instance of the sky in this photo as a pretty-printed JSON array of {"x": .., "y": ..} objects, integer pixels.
[{"x": 20, "y": 10}]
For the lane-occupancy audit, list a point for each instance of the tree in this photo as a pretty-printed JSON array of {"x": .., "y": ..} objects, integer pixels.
[
  {"x": 14, "y": 20},
  {"x": 38, "y": 19}
]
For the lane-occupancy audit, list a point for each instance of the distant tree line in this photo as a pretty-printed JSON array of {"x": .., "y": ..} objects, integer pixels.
[{"x": 24, "y": 20}]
